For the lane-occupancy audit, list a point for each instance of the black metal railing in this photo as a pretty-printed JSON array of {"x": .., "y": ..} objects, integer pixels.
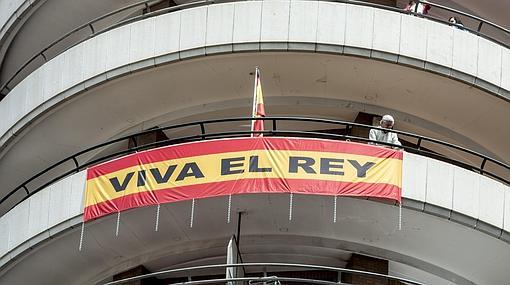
[
  {"x": 198, "y": 130},
  {"x": 499, "y": 35},
  {"x": 480, "y": 21},
  {"x": 188, "y": 271},
  {"x": 471, "y": 23}
]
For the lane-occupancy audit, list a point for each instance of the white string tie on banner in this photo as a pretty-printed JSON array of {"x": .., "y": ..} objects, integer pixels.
[
  {"x": 81, "y": 236},
  {"x": 118, "y": 224},
  {"x": 157, "y": 217},
  {"x": 400, "y": 216},
  {"x": 192, "y": 212},
  {"x": 334, "y": 209},
  {"x": 290, "y": 206},
  {"x": 229, "y": 208}
]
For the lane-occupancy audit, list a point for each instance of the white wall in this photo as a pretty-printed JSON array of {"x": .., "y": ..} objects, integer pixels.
[
  {"x": 457, "y": 189},
  {"x": 43, "y": 214}
]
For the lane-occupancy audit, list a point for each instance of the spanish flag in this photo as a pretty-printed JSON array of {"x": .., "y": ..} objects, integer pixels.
[{"x": 258, "y": 106}]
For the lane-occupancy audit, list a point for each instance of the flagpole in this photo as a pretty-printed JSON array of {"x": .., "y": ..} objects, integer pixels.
[{"x": 254, "y": 99}]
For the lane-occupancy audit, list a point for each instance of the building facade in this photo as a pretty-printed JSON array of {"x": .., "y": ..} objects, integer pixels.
[{"x": 85, "y": 82}]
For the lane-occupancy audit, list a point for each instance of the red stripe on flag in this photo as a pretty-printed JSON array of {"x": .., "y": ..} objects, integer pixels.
[
  {"x": 258, "y": 125},
  {"x": 260, "y": 112}
]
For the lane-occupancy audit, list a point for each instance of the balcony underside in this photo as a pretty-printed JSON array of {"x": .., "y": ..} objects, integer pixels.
[{"x": 426, "y": 242}]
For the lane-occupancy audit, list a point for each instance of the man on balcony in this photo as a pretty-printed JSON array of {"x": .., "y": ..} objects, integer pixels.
[{"x": 383, "y": 134}]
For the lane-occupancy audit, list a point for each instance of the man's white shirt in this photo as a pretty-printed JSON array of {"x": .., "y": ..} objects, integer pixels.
[{"x": 383, "y": 136}]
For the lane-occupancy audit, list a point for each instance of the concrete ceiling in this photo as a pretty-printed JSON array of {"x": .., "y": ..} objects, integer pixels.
[
  {"x": 319, "y": 85},
  {"x": 426, "y": 243}
]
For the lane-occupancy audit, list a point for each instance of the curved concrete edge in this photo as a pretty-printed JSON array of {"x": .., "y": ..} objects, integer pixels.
[
  {"x": 14, "y": 16},
  {"x": 303, "y": 26},
  {"x": 12, "y": 12},
  {"x": 429, "y": 186},
  {"x": 456, "y": 194},
  {"x": 49, "y": 212}
]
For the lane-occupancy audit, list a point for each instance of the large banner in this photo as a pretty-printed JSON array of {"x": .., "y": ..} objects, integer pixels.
[{"x": 242, "y": 165}]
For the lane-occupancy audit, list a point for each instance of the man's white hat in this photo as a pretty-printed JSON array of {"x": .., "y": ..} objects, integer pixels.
[{"x": 388, "y": 118}]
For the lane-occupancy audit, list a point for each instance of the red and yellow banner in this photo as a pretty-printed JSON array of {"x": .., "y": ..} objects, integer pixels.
[{"x": 243, "y": 165}]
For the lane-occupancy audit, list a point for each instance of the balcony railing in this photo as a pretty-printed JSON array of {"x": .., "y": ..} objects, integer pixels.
[
  {"x": 200, "y": 130},
  {"x": 188, "y": 272},
  {"x": 475, "y": 25}
]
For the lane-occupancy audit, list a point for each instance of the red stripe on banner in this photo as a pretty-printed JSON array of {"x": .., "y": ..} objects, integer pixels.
[
  {"x": 245, "y": 186},
  {"x": 240, "y": 144}
]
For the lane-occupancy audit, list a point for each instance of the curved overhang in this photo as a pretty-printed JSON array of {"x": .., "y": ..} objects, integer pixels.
[
  {"x": 20, "y": 20},
  {"x": 323, "y": 57},
  {"x": 442, "y": 203},
  {"x": 12, "y": 14}
]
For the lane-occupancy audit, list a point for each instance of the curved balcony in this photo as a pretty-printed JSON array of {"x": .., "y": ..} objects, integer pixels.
[
  {"x": 129, "y": 14},
  {"x": 187, "y": 132},
  {"x": 20, "y": 20},
  {"x": 339, "y": 55},
  {"x": 441, "y": 200},
  {"x": 262, "y": 279}
]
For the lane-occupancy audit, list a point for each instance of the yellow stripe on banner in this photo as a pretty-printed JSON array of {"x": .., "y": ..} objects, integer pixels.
[{"x": 285, "y": 164}]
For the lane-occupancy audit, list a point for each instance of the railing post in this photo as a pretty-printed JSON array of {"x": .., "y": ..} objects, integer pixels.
[
  {"x": 417, "y": 3},
  {"x": 479, "y": 26},
  {"x": 45, "y": 59},
  {"x": 76, "y": 164},
  {"x": 483, "y": 165},
  {"x": 202, "y": 130},
  {"x": 2, "y": 93},
  {"x": 418, "y": 144},
  {"x": 92, "y": 28},
  {"x": 26, "y": 189},
  {"x": 133, "y": 139},
  {"x": 274, "y": 126}
]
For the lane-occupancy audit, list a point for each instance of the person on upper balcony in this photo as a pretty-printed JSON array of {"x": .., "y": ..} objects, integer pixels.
[
  {"x": 456, "y": 22},
  {"x": 419, "y": 8},
  {"x": 384, "y": 134}
]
